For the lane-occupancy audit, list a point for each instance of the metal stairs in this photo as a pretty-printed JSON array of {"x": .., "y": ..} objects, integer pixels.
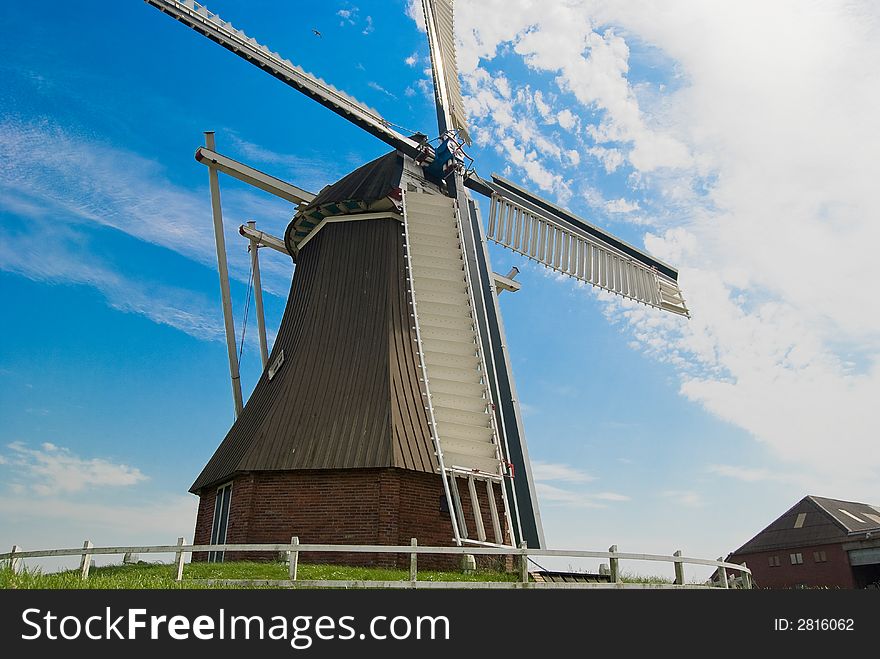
[{"x": 453, "y": 369}]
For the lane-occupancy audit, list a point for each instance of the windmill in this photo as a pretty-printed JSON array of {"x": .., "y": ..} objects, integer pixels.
[{"x": 387, "y": 408}]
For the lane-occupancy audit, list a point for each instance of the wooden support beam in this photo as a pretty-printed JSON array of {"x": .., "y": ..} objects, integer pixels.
[
  {"x": 225, "y": 297},
  {"x": 413, "y": 558},
  {"x": 179, "y": 560},
  {"x": 614, "y": 565},
  {"x": 722, "y": 573},
  {"x": 679, "y": 569},
  {"x": 86, "y": 561},
  {"x": 251, "y": 176},
  {"x": 506, "y": 282},
  {"x": 294, "y": 558},
  {"x": 15, "y": 564},
  {"x": 263, "y": 239},
  {"x": 254, "y": 249},
  {"x": 746, "y": 578}
]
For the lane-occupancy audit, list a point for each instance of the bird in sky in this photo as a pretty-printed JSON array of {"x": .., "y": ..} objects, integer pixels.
[{"x": 318, "y": 34}]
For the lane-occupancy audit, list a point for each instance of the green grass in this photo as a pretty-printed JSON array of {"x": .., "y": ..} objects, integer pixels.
[
  {"x": 161, "y": 575},
  {"x": 631, "y": 577}
]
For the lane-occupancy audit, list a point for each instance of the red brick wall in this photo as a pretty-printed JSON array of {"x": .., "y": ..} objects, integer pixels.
[
  {"x": 350, "y": 506},
  {"x": 833, "y": 573}
]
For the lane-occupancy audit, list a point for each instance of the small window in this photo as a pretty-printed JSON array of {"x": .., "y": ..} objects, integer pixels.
[
  {"x": 773, "y": 561},
  {"x": 819, "y": 557},
  {"x": 221, "y": 521},
  {"x": 797, "y": 559},
  {"x": 799, "y": 522}
]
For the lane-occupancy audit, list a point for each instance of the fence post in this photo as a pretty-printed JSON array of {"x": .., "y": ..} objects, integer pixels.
[
  {"x": 747, "y": 578},
  {"x": 15, "y": 564},
  {"x": 679, "y": 569},
  {"x": 722, "y": 573},
  {"x": 179, "y": 557},
  {"x": 86, "y": 561},
  {"x": 524, "y": 562},
  {"x": 614, "y": 565},
  {"x": 294, "y": 557},
  {"x": 413, "y": 569}
]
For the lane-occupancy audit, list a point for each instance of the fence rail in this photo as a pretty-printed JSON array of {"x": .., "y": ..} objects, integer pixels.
[{"x": 294, "y": 547}]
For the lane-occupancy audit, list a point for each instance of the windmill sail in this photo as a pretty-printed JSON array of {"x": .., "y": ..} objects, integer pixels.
[
  {"x": 205, "y": 22},
  {"x": 538, "y": 229},
  {"x": 441, "y": 39}
]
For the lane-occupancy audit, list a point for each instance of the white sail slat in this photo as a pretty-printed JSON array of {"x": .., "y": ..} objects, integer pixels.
[
  {"x": 584, "y": 257},
  {"x": 442, "y": 11}
]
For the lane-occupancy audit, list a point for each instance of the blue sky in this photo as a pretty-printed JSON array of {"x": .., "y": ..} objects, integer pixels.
[{"x": 745, "y": 164}]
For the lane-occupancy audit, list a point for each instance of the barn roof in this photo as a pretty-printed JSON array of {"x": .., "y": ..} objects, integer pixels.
[
  {"x": 813, "y": 521},
  {"x": 854, "y": 517}
]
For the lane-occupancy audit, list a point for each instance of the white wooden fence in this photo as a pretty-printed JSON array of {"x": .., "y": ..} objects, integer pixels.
[{"x": 293, "y": 549}]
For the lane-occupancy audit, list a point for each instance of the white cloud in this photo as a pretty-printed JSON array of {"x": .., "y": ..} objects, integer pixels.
[
  {"x": 589, "y": 65},
  {"x": 548, "y": 471},
  {"x": 412, "y": 59},
  {"x": 753, "y": 474},
  {"x": 368, "y": 28},
  {"x": 542, "y": 107},
  {"x": 64, "y": 184},
  {"x": 161, "y": 520},
  {"x": 567, "y": 119},
  {"x": 44, "y": 254},
  {"x": 308, "y": 173},
  {"x": 415, "y": 12},
  {"x": 380, "y": 88},
  {"x": 687, "y": 498},
  {"x": 76, "y": 180},
  {"x": 550, "y": 494},
  {"x": 348, "y": 16},
  {"x": 621, "y": 206},
  {"x": 611, "y": 159},
  {"x": 53, "y": 522},
  {"x": 528, "y": 409},
  {"x": 508, "y": 119},
  {"x": 554, "y": 495},
  {"x": 763, "y": 171},
  {"x": 502, "y": 85},
  {"x": 54, "y": 470},
  {"x": 611, "y": 496}
]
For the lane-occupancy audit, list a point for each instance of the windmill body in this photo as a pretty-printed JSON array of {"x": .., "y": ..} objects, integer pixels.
[{"x": 387, "y": 409}]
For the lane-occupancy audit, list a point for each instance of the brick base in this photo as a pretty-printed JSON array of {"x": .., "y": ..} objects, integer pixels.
[{"x": 344, "y": 506}]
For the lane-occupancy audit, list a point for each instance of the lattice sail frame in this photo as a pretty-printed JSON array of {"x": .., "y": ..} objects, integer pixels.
[{"x": 568, "y": 249}]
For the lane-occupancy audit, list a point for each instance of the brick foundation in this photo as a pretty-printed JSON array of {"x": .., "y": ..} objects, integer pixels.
[{"x": 345, "y": 506}]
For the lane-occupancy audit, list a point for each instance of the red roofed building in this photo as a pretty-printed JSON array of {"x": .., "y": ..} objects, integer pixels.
[{"x": 819, "y": 542}]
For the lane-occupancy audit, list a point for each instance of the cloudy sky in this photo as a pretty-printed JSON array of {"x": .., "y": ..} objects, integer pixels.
[{"x": 735, "y": 140}]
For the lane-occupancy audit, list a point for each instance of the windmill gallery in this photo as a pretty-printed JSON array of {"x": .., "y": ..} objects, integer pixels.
[{"x": 386, "y": 409}]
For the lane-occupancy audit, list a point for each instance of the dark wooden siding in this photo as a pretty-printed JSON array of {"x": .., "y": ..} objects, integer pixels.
[{"x": 348, "y": 394}]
